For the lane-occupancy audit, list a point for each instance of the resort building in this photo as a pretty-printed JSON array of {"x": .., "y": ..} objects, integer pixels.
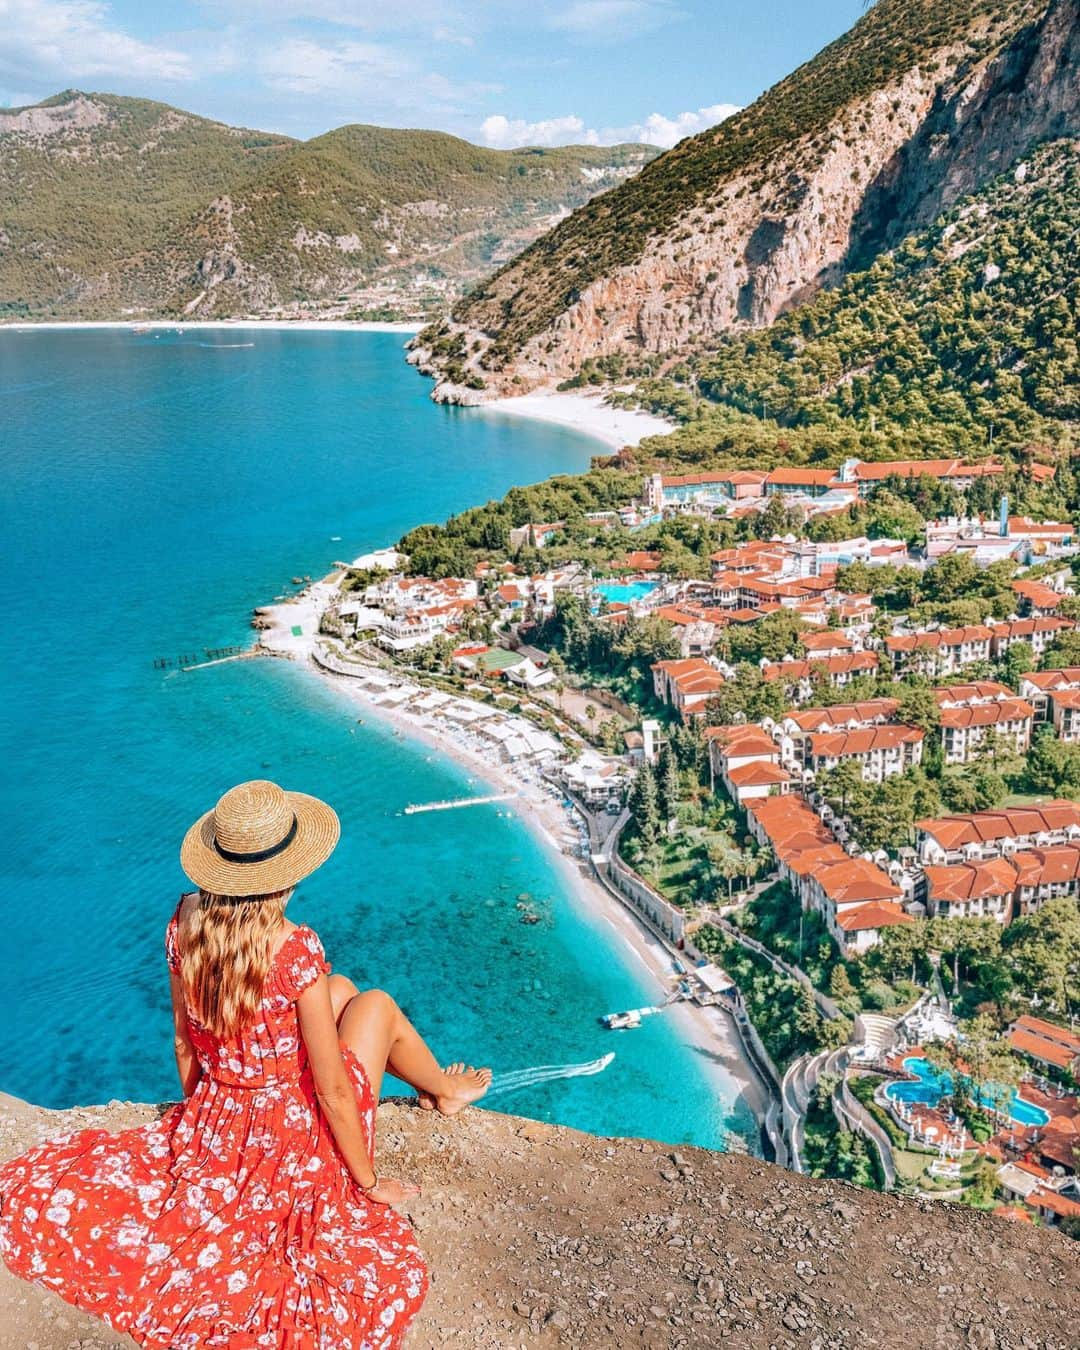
[
  {"x": 1055, "y": 697},
  {"x": 857, "y": 900},
  {"x": 1039, "y": 633},
  {"x": 986, "y": 834},
  {"x": 799, "y": 724},
  {"x": 746, "y": 760},
  {"x": 534, "y": 536},
  {"x": 687, "y": 685},
  {"x": 939, "y": 651},
  {"x": 879, "y": 751},
  {"x": 1045, "y": 874},
  {"x": 829, "y": 642},
  {"x": 977, "y": 890},
  {"x": 1046, "y": 1043},
  {"x": 1041, "y": 597},
  {"x": 800, "y": 678},
  {"x": 966, "y": 729}
]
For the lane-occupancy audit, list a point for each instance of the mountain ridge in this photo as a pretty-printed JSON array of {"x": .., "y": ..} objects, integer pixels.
[
  {"x": 121, "y": 207},
  {"x": 920, "y": 103}
]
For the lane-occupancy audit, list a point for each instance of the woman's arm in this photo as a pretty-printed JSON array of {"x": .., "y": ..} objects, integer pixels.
[
  {"x": 332, "y": 1084},
  {"x": 187, "y": 1063}
]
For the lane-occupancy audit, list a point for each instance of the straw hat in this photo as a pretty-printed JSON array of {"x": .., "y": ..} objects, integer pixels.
[{"x": 259, "y": 839}]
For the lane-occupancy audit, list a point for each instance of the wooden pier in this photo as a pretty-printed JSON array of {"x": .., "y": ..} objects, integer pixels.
[{"x": 414, "y": 808}]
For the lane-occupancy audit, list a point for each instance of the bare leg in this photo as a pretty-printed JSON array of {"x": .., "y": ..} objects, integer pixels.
[
  {"x": 381, "y": 1036},
  {"x": 342, "y": 991}
]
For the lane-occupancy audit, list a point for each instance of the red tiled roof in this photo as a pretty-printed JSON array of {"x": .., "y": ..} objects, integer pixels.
[
  {"x": 1057, "y": 1204},
  {"x": 971, "y": 881},
  {"x": 1067, "y": 677},
  {"x": 1038, "y": 623},
  {"x": 1047, "y": 866},
  {"x": 827, "y": 641},
  {"x": 877, "y": 914},
  {"x": 1041, "y": 596},
  {"x": 869, "y": 710},
  {"x": 915, "y": 468},
  {"x": 794, "y": 477},
  {"x": 845, "y": 883},
  {"x": 863, "y": 741},
  {"x": 829, "y": 665},
  {"x": 988, "y": 714},
  {"x": 1046, "y": 1051},
  {"x": 973, "y": 692},
  {"x": 758, "y": 773},
  {"x": 1041, "y": 1027},
  {"x": 738, "y": 741},
  {"x": 643, "y": 561},
  {"x": 1008, "y": 823},
  {"x": 938, "y": 637}
]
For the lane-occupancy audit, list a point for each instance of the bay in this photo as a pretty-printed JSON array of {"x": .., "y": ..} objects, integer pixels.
[{"x": 156, "y": 486}]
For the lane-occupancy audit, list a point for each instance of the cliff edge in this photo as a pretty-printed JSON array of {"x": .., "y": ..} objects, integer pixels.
[{"x": 541, "y": 1236}]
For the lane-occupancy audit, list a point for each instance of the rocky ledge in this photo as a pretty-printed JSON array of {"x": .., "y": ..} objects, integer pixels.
[{"x": 539, "y": 1236}]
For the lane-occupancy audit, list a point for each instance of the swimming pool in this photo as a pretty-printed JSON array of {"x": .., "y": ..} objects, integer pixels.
[
  {"x": 931, "y": 1085},
  {"x": 623, "y": 592}
]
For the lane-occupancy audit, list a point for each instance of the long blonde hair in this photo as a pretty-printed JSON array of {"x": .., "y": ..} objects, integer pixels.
[{"x": 227, "y": 951}]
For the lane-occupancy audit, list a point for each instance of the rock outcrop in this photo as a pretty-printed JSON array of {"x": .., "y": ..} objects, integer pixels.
[
  {"x": 540, "y": 1236},
  {"x": 757, "y": 232}
]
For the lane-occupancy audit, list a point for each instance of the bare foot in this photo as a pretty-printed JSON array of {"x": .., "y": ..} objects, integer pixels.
[{"x": 466, "y": 1085}]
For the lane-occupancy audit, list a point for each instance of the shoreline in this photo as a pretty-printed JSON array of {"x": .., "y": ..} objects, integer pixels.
[
  {"x": 300, "y": 325},
  {"x": 710, "y": 1032}
]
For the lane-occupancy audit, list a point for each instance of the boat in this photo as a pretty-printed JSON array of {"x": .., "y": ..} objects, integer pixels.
[{"x": 627, "y": 1021}]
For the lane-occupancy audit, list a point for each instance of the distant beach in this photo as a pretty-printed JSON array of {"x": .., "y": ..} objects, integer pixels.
[{"x": 293, "y": 325}]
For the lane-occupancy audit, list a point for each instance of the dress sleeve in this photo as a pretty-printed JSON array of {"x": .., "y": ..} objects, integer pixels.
[
  {"x": 172, "y": 949},
  {"x": 304, "y": 962}
]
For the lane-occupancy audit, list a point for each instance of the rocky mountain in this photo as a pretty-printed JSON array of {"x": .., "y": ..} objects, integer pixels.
[
  {"x": 114, "y": 206},
  {"x": 921, "y": 103},
  {"x": 543, "y": 1237}
]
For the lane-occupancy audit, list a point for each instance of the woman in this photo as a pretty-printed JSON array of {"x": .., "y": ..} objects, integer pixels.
[{"x": 251, "y": 1215}]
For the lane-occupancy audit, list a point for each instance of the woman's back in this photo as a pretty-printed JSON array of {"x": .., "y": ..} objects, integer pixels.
[{"x": 269, "y": 1050}]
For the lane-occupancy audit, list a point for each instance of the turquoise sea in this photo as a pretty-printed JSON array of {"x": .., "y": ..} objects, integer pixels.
[{"x": 155, "y": 488}]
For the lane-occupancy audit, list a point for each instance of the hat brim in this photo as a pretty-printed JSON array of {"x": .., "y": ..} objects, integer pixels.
[{"x": 317, "y": 833}]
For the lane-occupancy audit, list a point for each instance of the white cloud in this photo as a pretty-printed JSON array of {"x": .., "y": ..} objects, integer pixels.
[
  {"x": 665, "y": 131},
  {"x": 505, "y": 133},
  {"x": 301, "y": 66},
  {"x": 613, "y": 20},
  {"x": 60, "y": 42}
]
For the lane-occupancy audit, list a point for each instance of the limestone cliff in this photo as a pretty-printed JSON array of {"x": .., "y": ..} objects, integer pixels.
[
  {"x": 539, "y": 1236},
  {"x": 919, "y": 105}
]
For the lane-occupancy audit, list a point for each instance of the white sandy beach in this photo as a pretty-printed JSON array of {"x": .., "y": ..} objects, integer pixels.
[
  {"x": 541, "y": 809},
  {"x": 585, "y": 412}
]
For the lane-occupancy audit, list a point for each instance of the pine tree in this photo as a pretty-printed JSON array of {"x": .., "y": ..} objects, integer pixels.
[
  {"x": 667, "y": 781},
  {"x": 644, "y": 806},
  {"x": 840, "y": 985}
]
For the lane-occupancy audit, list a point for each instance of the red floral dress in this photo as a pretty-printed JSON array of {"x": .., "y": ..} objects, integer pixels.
[{"x": 232, "y": 1221}]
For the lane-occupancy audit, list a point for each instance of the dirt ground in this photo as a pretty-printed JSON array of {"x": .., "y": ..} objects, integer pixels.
[{"x": 539, "y": 1236}]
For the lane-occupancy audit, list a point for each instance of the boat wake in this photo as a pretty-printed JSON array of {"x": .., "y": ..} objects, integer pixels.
[{"x": 518, "y": 1079}]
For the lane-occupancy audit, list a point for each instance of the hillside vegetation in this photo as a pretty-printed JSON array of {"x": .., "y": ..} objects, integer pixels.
[
  {"x": 964, "y": 339},
  {"x": 111, "y": 203}
]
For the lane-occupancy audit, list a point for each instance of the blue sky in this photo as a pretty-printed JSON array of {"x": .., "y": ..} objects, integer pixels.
[{"x": 499, "y": 72}]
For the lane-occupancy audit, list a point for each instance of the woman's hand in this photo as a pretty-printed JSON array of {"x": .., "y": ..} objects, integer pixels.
[{"x": 391, "y": 1192}]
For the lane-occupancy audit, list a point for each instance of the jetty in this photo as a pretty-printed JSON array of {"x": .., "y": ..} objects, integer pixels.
[{"x": 452, "y": 804}]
